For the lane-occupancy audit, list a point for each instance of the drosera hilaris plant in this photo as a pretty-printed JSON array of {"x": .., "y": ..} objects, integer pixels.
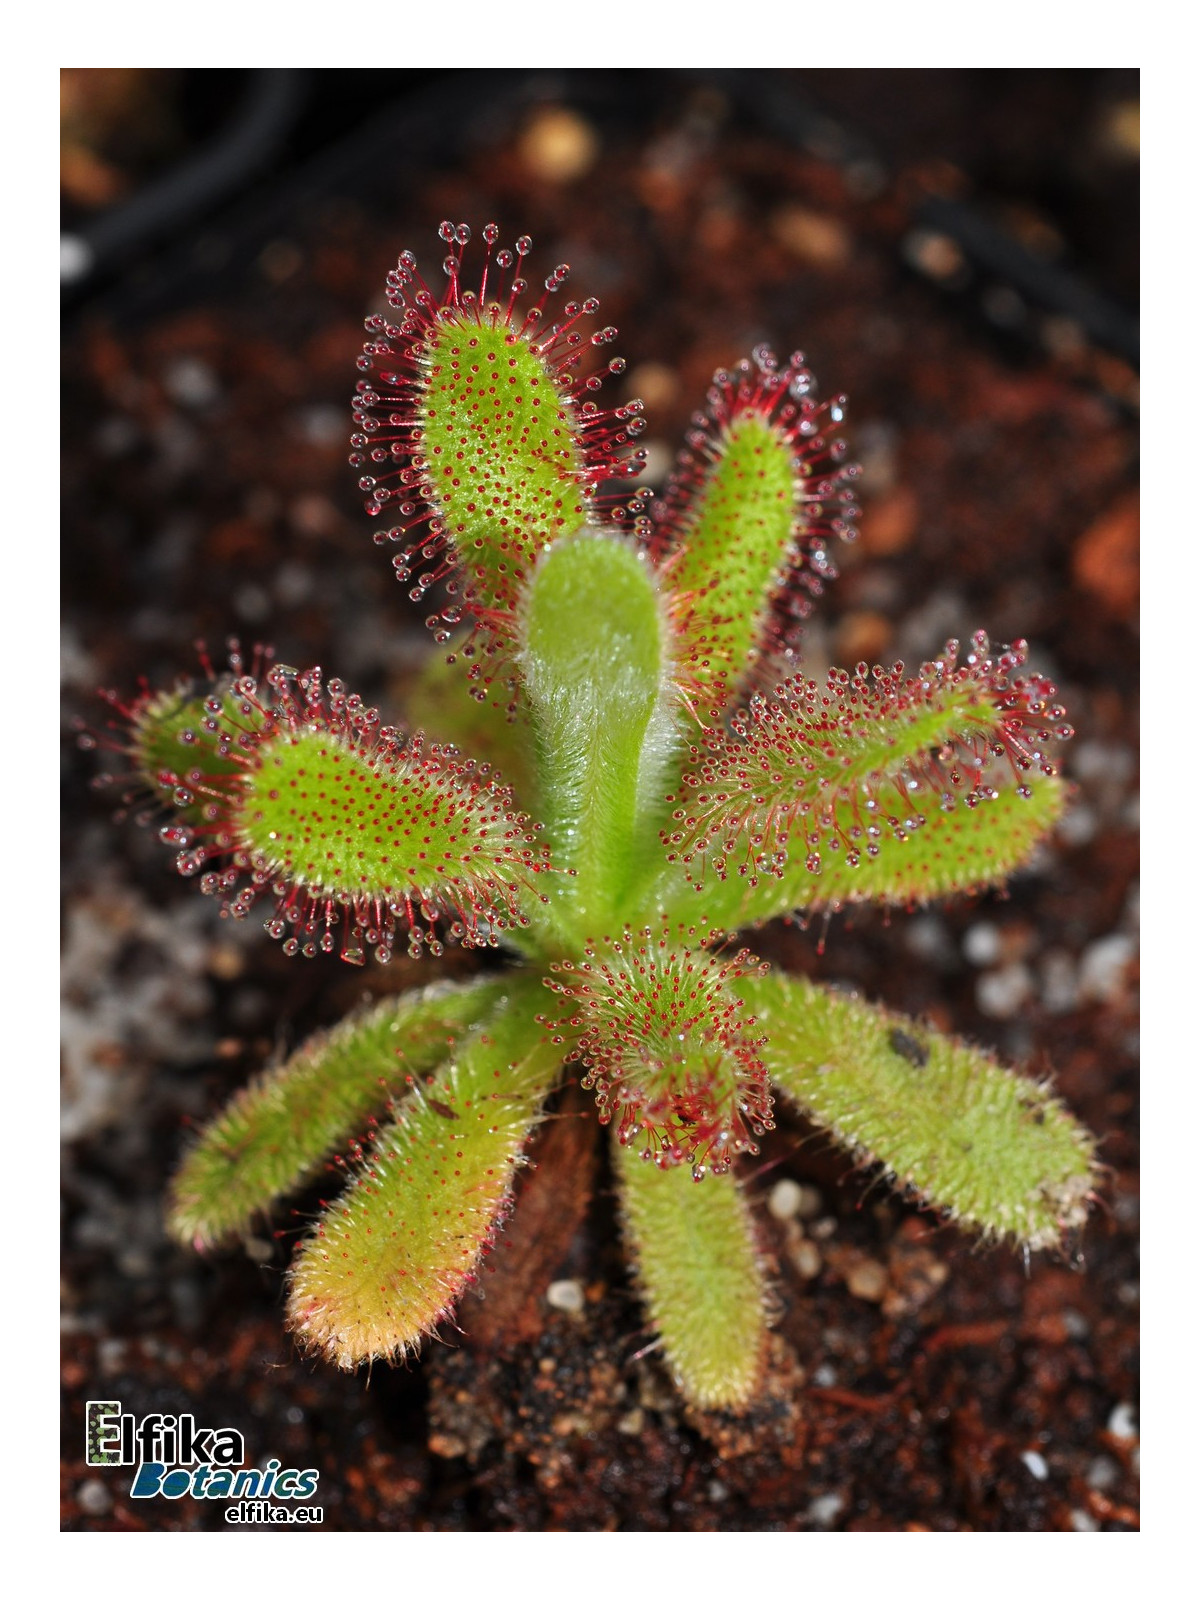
[{"x": 665, "y": 775}]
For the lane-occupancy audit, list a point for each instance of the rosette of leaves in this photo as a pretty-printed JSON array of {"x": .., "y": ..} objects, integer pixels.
[{"x": 623, "y": 765}]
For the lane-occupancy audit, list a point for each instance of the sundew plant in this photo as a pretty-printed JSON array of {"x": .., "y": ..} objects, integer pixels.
[{"x": 662, "y": 774}]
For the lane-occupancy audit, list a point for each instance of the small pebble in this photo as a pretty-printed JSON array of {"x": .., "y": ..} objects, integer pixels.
[
  {"x": 116, "y": 436},
  {"x": 825, "y": 1376},
  {"x": 1063, "y": 338},
  {"x": 1122, "y": 1421},
  {"x": 191, "y": 382},
  {"x": 867, "y": 1280},
  {"x": 862, "y": 636},
  {"x": 75, "y": 258},
  {"x": 892, "y": 522},
  {"x": 1060, "y": 983},
  {"x": 569, "y": 1422},
  {"x": 632, "y": 1422},
  {"x": 110, "y": 1356},
  {"x": 447, "y": 1445},
  {"x": 812, "y": 1202},
  {"x": 251, "y": 602},
  {"x": 293, "y": 584},
  {"x": 566, "y": 1294},
  {"x": 655, "y": 384},
  {"x": 1097, "y": 762},
  {"x": 935, "y": 255},
  {"x": 784, "y": 1200},
  {"x": 226, "y": 962},
  {"x": 94, "y": 1498},
  {"x": 1120, "y": 130},
  {"x": 811, "y": 236},
  {"x": 1102, "y": 967},
  {"x": 929, "y": 940},
  {"x": 659, "y": 461},
  {"x": 1078, "y": 827},
  {"x": 323, "y": 426},
  {"x": 1036, "y": 1464},
  {"x": 1083, "y": 1522},
  {"x": 135, "y": 1263},
  {"x": 982, "y": 944},
  {"x": 1103, "y": 1474},
  {"x": 877, "y": 449},
  {"x": 1003, "y": 992},
  {"x": 806, "y": 1259},
  {"x": 944, "y": 614},
  {"x": 825, "y": 1509},
  {"x": 558, "y": 145}
]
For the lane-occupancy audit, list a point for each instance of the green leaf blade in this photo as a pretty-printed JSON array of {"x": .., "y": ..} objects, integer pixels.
[
  {"x": 503, "y": 461},
  {"x": 479, "y": 426},
  {"x": 994, "y": 1150},
  {"x": 737, "y": 545},
  {"x": 390, "y": 1258},
  {"x": 698, "y": 1268},
  {"x": 965, "y": 850},
  {"x": 275, "y": 1134},
  {"x": 185, "y": 747},
  {"x": 377, "y": 823},
  {"x": 871, "y": 786}
]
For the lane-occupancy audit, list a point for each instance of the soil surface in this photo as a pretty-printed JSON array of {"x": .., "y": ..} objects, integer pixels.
[{"x": 916, "y": 1382}]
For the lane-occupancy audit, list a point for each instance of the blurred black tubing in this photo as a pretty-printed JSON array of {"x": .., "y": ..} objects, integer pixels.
[
  {"x": 276, "y": 96},
  {"x": 266, "y": 113},
  {"x": 1040, "y": 283},
  {"x": 987, "y": 246}
]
